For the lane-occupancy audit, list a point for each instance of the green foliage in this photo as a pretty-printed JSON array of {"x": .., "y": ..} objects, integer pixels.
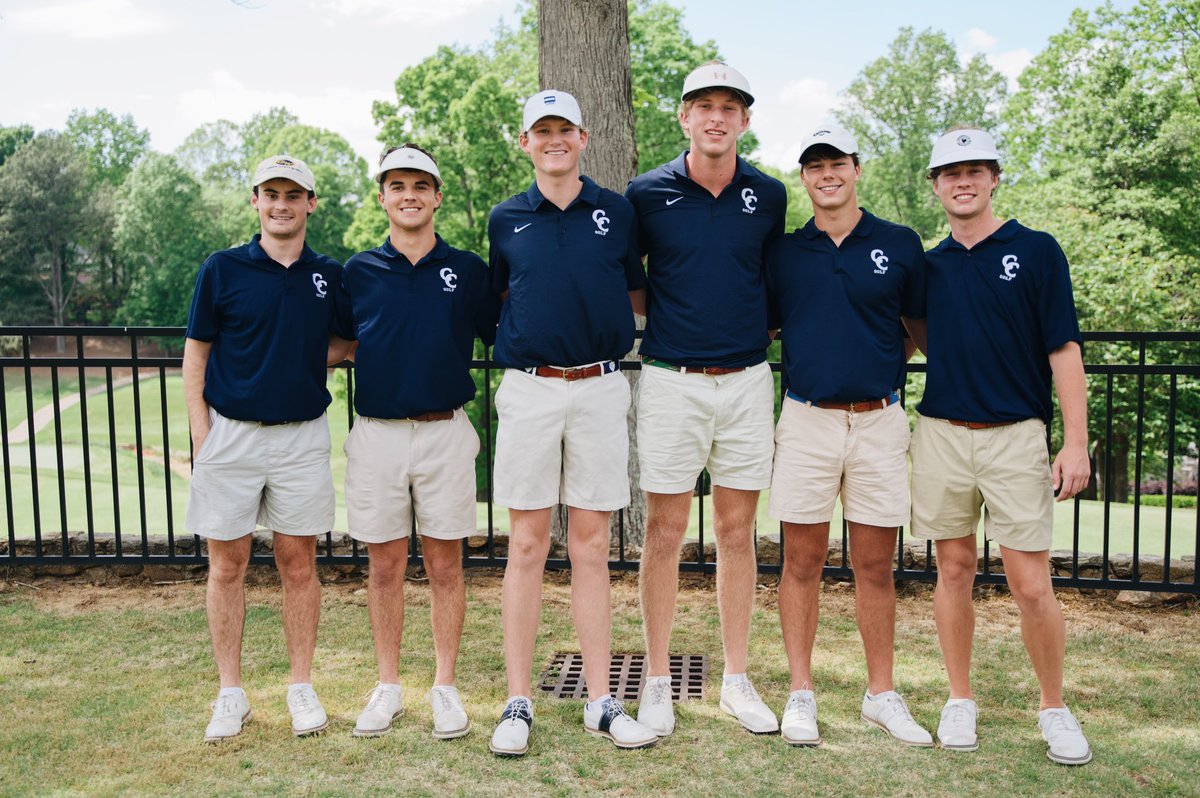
[
  {"x": 226, "y": 153},
  {"x": 898, "y": 105},
  {"x": 11, "y": 138},
  {"x": 113, "y": 144}
]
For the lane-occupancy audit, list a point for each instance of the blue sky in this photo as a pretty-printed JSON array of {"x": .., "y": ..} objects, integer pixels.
[{"x": 175, "y": 65}]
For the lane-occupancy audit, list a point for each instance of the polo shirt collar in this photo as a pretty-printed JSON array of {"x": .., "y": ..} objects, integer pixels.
[
  {"x": 679, "y": 167},
  {"x": 258, "y": 253},
  {"x": 1006, "y": 232},
  {"x": 862, "y": 230},
  {"x": 439, "y": 252},
  {"x": 589, "y": 193}
]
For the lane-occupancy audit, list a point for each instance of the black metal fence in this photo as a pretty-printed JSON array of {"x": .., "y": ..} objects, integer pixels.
[{"x": 96, "y": 456}]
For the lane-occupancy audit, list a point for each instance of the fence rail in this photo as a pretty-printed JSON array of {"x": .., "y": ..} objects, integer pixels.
[{"x": 95, "y": 454}]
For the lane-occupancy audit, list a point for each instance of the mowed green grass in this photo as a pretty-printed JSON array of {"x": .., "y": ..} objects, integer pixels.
[
  {"x": 72, "y": 498},
  {"x": 108, "y": 688}
]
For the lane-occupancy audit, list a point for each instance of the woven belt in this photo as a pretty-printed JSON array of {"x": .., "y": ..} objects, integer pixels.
[
  {"x": 979, "y": 424},
  {"x": 711, "y": 371},
  {"x": 273, "y": 423},
  {"x": 437, "y": 415},
  {"x": 577, "y": 373},
  {"x": 852, "y": 407}
]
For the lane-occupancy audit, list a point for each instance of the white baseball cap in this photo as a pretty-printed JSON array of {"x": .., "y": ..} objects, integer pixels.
[
  {"x": 717, "y": 76},
  {"x": 968, "y": 144},
  {"x": 287, "y": 167},
  {"x": 839, "y": 138},
  {"x": 552, "y": 103},
  {"x": 408, "y": 158}
]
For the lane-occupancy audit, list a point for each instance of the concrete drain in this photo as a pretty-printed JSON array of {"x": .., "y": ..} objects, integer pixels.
[{"x": 563, "y": 676}]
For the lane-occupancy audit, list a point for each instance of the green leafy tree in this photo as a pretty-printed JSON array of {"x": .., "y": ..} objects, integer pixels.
[
  {"x": 11, "y": 138},
  {"x": 113, "y": 144},
  {"x": 899, "y": 104}
]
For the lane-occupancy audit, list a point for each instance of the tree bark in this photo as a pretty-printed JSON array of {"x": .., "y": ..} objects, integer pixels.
[{"x": 583, "y": 49}]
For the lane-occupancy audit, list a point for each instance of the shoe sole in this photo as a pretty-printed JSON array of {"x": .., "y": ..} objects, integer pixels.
[
  {"x": 1065, "y": 760},
  {"x": 510, "y": 753},
  {"x": 618, "y": 743},
  {"x": 965, "y": 749},
  {"x": 311, "y": 732},
  {"x": 376, "y": 732},
  {"x": 810, "y": 743},
  {"x": 900, "y": 740},
  {"x": 728, "y": 710},
  {"x": 453, "y": 735},
  {"x": 245, "y": 720}
]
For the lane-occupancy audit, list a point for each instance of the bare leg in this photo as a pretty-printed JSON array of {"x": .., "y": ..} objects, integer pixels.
[
  {"x": 591, "y": 606},
  {"x": 666, "y": 524},
  {"x": 1042, "y": 626},
  {"x": 385, "y": 604},
  {"x": 737, "y": 570},
  {"x": 872, "y": 554},
  {"x": 805, "y": 549},
  {"x": 225, "y": 602},
  {"x": 295, "y": 557},
  {"x": 448, "y": 595},
  {"x": 953, "y": 611},
  {"x": 528, "y": 546}
]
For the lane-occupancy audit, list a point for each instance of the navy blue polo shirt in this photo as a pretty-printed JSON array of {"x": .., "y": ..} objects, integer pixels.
[
  {"x": 706, "y": 301},
  {"x": 568, "y": 274},
  {"x": 839, "y": 307},
  {"x": 415, "y": 326},
  {"x": 996, "y": 311},
  {"x": 269, "y": 326}
]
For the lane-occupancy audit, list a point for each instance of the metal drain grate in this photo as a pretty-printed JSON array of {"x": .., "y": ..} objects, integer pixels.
[{"x": 563, "y": 676}]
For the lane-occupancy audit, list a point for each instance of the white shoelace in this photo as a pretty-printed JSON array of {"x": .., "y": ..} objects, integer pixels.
[
  {"x": 303, "y": 700},
  {"x": 377, "y": 697},
  {"x": 899, "y": 708},
  {"x": 802, "y": 706},
  {"x": 747, "y": 690},
  {"x": 225, "y": 706},
  {"x": 445, "y": 699},
  {"x": 659, "y": 692},
  {"x": 957, "y": 714},
  {"x": 520, "y": 710},
  {"x": 1060, "y": 722}
]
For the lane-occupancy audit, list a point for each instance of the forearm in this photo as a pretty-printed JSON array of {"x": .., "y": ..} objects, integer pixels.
[
  {"x": 1070, "y": 384},
  {"x": 195, "y": 363}
]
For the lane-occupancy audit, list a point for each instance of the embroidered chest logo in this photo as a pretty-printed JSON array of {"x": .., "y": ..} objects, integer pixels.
[
  {"x": 1010, "y": 264},
  {"x": 601, "y": 220},
  {"x": 880, "y": 260},
  {"x": 449, "y": 278},
  {"x": 749, "y": 200},
  {"x": 320, "y": 284}
]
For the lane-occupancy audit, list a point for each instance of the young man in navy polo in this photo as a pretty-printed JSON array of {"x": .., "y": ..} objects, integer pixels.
[
  {"x": 254, "y": 382},
  {"x": 564, "y": 257},
  {"x": 705, "y": 395},
  {"x": 415, "y": 306},
  {"x": 842, "y": 287},
  {"x": 1001, "y": 329}
]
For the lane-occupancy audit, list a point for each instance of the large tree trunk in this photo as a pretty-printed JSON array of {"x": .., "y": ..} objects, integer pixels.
[{"x": 583, "y": 49}]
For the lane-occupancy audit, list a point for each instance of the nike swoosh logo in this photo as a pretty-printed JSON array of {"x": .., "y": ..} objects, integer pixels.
[
  {"x": 672, "y": 202},
  {"x": 522, "y": 227}
]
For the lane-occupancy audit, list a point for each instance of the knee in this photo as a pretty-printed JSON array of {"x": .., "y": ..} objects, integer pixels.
[
  {"x": 296, "y": 571},
  {"x": 735, "y": 544},
  {"x": 226, "y": 571},
  {"x": 804, "y": 564},
  {"x": 957, "y": 573},
  {"x": 444, "y": 571},
  {"x": 875, "y": 572},
  {"x": 589, "y": 551},
  {"x": 528, "y": 549},
  {"x": 1036, "y": 597}
]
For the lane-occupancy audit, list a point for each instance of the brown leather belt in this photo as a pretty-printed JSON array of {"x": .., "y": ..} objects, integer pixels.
[
  {"x": 855, "y": 407},
  {"x": 437, "y": 415},
  {"x": 571, "y": 374},
  {"x": 711, "y": 371},
  {"x": 979, "y": 424}
]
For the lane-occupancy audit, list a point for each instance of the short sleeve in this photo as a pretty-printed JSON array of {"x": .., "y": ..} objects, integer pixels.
[
  {"x": 913, "y": 303},
  {"x": 203, "y": 321},
  {"x": 1056, "y": 300},
  {"x": 635, "y": 272},
  {"x": 498, "y": 268},
  {"x": 342, "y": 323}
]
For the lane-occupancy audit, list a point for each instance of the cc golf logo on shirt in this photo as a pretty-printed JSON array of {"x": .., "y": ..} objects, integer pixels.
[
  {"x": 601, "y": 220},
  {"x": 880, "y": 261},
  {"x": 749, "y": 199},
  {"x": 1010, "y": 264},
  {"x": 449, "y": 278},
  {"x": 320, "y": 284}
]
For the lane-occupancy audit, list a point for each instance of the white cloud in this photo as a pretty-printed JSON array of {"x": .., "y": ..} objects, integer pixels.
[
  {"x": 976, "y": 40},
  {"x": 1011, "y": 64},
  {"x": 89, "y": 19},
  {"x": 391, "y": 12},
  {"x": 798, "y": 107}
]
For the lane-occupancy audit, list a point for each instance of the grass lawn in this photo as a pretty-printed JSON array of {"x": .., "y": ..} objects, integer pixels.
[{"x": 108, "y": 691}]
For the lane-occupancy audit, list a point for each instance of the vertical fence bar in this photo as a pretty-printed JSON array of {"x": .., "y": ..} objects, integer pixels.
[
  {"x": 31, "y": 427},
  {"x": 1137, "y": 461},
  {"x": 137, "y": 434},
  {"x": 8, "y": 494},
  {"x": 1171, "y": 410},
  {"x": 56, "y": 404},
  {"x": 1108, "y": 473},
  {"x": 166, "y": 455},
  {"x": 112, "y": 462},
  {"x": 85, "y": 442},
  {"x": 700, "y": 521},
  {"x": 487, "y": 439}
]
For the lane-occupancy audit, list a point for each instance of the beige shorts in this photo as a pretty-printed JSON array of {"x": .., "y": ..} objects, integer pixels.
[
  {"x": 821, "y": 453},
  {"x": 562, "y": 442},
  {"x": 1005, "y": 469},
  {"x": 397, "y": 469},
  {"x": 276, "y": 477},
  {"x": 689, "y": 422}
]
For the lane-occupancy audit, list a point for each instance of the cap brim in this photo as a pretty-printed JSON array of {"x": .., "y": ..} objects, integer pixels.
[
  {"x": 746, "y": 99},
  {"x": 964, "y": 155}
]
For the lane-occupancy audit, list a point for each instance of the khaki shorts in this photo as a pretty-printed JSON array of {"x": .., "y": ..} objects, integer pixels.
[
  {"x": 397, "y": 469},
  {"x": 562, "y": 442},
  {"x": 276, "y": 477},
  {"x": 1005, "y": 469},
  {"x": 689, "y": 422},
  {"x": 821, "y": 453}
]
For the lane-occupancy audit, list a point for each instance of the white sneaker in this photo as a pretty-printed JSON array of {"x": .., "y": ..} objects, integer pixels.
[
  {"x": 511, "y": 737},
  {"x": 741, "y": 700},
  {"x": 449, "y": 718},
  {"x": 889, "y": 712},
  {"x": 956, "y": 729},
  {"x": 656, "y": 710},
  {"x": 799, "y": 726},
  {"x": 229, "y": 712},
  {"x": 608, "y": 719},
  {"x": 308, "y": 716},
  {"x": 384, "y": 705},
  {"x": 1061, "y": 731}
]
